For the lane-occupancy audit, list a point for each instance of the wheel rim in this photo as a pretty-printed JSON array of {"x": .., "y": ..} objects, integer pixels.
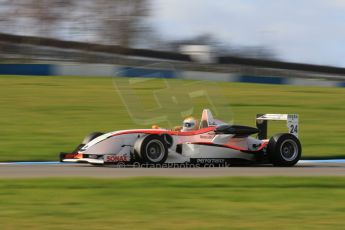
[
  {"x": 289, "y": 150},
  {"x": 155, "y": 150}
]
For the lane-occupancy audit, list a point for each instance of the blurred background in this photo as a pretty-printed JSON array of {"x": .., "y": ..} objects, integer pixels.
[
  {"x": 72, "y": 67},
  {"x": 288, "y": 31},
  {"x": 252, "y": 57}
]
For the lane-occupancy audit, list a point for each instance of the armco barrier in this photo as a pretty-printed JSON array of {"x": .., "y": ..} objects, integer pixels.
[
  {"x": 207, "y": 76},
  {"x": 112, "y": 70},
  {"x": 84, "y": 70},
  {"x": 26, "y": 69},
  {"x": 145, "y": 72},
  {"x": 341, "y": 84},
  {"x": 312, "y": 82},
  {"x": 262, "y": 80}
]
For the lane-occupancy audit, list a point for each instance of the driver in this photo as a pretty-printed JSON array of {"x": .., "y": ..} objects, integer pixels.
[{"x": 189, "y": 124}]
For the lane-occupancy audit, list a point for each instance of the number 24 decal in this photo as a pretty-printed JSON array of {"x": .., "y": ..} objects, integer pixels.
[{"x": 293, "y": 128}]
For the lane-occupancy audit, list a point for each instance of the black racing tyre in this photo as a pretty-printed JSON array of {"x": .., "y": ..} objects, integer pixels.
[
  {"x": 284, "y": 150},
  {"x": 91, "y": 136},
  {"x": 151, "y": 149}
]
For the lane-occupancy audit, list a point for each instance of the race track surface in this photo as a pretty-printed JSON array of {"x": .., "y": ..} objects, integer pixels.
[{"x": 56, "y": 169}]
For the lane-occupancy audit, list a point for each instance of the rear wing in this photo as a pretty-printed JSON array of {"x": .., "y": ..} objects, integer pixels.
[{"x": 291, "y": 123}]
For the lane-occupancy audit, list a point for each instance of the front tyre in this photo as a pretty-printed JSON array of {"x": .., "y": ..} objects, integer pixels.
[
  {"x": 151, "y": 149},
  {"x": 284, "y": 150}
]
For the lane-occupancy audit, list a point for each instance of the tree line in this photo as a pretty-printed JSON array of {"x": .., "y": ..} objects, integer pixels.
[{"x": 115, "y": 22}]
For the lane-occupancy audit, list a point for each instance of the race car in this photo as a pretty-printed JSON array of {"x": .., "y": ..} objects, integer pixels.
[{"x": 213, "y": 142}]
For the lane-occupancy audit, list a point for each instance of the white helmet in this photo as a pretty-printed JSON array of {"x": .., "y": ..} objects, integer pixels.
[{"x": 189, "y": 124}]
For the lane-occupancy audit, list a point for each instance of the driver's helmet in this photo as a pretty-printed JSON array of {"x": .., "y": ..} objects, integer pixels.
[{"x": 189, "y": 124}]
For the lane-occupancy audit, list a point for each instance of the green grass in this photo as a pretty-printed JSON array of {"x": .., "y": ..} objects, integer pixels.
[
  {"x": 162, "y": 203},
  {"x": 41, "y": 116}
]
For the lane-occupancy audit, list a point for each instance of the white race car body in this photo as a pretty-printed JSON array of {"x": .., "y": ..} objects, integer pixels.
[{"x": 213, "y": 143}]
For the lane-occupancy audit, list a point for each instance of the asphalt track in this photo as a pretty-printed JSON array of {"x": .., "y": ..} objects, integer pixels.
[{"x": 57, "y": 169}]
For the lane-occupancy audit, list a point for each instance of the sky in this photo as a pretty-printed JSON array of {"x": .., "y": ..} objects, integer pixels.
[{"x": 307, "y": 31}]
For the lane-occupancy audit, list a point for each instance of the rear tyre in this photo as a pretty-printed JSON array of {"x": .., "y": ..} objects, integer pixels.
[
  {"x": 151, "y": 149},
  {"x": 284, "y": 150},
  {"x": 91, "y": 136}
]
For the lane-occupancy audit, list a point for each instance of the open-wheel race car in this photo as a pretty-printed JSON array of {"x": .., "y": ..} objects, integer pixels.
[{"x": 213, "y": 142}]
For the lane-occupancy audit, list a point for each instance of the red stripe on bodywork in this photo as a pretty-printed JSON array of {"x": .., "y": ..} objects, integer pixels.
[
  {"x": 163, "y": 131},
  {"x": 191, "y": 133}
]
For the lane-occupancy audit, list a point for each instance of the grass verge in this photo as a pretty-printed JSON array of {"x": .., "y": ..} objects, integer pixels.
[
  {"x": 162, "y": 203},
  {"x": 41, "y": 116}
]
